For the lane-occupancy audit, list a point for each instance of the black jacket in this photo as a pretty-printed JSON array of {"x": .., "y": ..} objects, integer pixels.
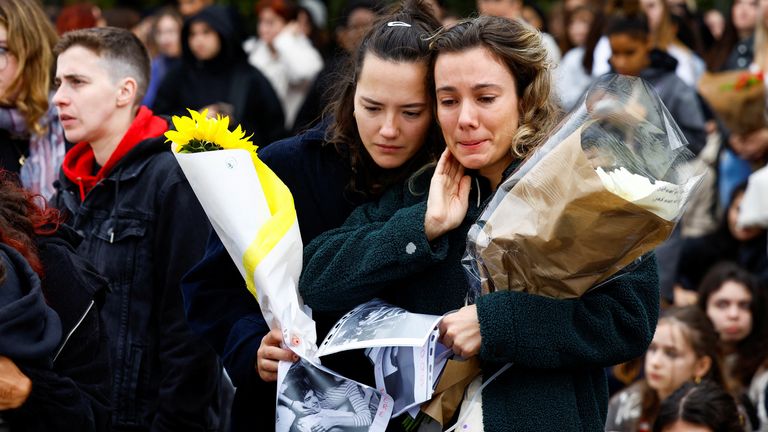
[
  {"x": 227, "y": 78},
  {"x": 143, "y": 228},
  {"x": 64, "y": 354}
]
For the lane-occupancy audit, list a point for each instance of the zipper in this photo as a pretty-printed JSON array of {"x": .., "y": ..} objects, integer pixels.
[{"x": 79, "y": 322}]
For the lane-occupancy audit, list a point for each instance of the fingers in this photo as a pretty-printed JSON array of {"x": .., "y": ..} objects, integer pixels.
[
  {"x": 442, "y": 163},
  {"x": 269, "y": 355},
  {"x": 464, "y": 187}
]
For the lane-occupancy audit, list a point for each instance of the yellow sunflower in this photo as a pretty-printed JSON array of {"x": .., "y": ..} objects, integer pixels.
[{"x": 199, "y": 133}]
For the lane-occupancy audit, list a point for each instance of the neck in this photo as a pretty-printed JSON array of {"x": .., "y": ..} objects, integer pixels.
[
  {"x": 744, "y": 34},
  {"x": 495, "y": 171},
  {"x": 117, "y": 126}
]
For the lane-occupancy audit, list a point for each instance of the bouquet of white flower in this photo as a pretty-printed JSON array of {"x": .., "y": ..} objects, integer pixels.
[{"x": 606, "y": 188}]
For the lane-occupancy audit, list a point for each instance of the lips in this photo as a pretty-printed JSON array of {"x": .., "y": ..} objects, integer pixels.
[
  {"x": 471, "y": 142},
  {"x": 66, "y": 119},
  {"x": 388, "y": 148},
  {"x": 653, "y": 377}
]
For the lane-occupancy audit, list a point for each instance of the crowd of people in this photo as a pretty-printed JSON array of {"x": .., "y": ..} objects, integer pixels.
[{"x": 392, "y": 124}]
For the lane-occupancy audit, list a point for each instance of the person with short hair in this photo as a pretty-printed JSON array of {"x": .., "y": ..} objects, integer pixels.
[{"x": 142, "y": 228}]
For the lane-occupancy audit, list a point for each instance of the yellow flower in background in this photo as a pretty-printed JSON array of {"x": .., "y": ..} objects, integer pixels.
[{"x": 198, "y": 133}]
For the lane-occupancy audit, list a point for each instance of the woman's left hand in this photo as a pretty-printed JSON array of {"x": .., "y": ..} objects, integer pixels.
[
  {"x": 447, "y": 202},
  {"x": 460, "y": 331}
]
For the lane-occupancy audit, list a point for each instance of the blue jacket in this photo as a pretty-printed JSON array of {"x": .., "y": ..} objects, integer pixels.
[
  {"x": 558, "y": 347},
  {"x": 220, "y": 308},
  {"x": 142, "y": 229}
]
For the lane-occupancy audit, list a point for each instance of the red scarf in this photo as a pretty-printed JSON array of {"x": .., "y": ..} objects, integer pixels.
[{"x": 78, "y": 162}]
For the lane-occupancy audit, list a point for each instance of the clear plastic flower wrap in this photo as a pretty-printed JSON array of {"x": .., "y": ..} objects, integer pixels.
[{"x": 606, "y": 188}]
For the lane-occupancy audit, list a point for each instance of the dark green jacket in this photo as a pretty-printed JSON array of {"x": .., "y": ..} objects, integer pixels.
[{"x": 559, "y": 347}]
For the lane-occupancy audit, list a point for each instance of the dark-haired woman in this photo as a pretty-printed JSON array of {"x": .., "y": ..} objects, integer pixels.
[
  {"x": 379, "y": 131},
  {"x": 703, "y": 407},
  {"x": 736, "y": 304}
]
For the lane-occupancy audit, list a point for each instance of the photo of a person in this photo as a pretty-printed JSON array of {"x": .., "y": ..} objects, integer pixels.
[
  {"x": 377, "y": 323},
  {"x": 312, "y": 400},
  {"x": 398, "y": 370}
]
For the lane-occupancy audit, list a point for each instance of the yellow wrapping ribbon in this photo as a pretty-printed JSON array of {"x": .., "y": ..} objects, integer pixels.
[{"x": 281, "y": 207}]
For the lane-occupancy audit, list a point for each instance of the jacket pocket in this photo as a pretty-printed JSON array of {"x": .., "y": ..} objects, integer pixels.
[
  {"x": 116, "y": 230},
  {"x": 129, "y": 393}
]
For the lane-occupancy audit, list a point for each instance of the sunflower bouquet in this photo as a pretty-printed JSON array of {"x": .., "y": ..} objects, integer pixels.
[{"x": 252, "y": 212}]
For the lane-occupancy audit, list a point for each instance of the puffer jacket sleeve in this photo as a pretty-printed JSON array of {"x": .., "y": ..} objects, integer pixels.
[
  {"x": 608, "y": 325},
  {"x": 380, "y": 243}
]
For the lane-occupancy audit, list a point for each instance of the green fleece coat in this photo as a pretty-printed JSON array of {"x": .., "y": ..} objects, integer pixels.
[{"x": 559, "y": 348}]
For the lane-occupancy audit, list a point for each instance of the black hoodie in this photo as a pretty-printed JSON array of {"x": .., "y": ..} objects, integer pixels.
[{"x": 227, "y": 78}]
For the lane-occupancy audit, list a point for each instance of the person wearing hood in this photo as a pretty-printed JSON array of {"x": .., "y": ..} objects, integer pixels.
[
  {"x": 125, "y": 195},
  {"x": 214, "y": 74},
  {"x": 633, "y": 54},
  {"x": 54, "y": 362}
]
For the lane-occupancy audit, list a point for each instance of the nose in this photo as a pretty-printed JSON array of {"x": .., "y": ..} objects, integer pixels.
[
  {"x": 389, "y": 128},
  {"x": 468, "y": 116},
  {"x": 652, "y": 358},
  {"x": 59, "y": 98},
  {"x": 733, "y": 312}
]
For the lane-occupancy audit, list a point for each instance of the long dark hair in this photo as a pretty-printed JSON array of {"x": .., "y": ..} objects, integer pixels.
[
  {"x": 399, "y": 44},
  {"x": 705, "y": 404},
  {"x": 23, "y": 216},
  {"x": 752, "y": 350}
]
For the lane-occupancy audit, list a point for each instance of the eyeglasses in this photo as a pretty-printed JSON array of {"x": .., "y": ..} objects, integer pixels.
[{"x": 4, "y": 53}]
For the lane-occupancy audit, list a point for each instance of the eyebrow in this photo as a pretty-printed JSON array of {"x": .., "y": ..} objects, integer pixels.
[
  {"x": 476, "y": 87},
  {"x": 71, "y": 76},
  {"x": 408, "y": 105}
]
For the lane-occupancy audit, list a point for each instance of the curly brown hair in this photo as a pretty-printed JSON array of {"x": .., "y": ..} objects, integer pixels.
[
  {"x": 519, "y": 47},
  {"x": 23, "y": 216}
]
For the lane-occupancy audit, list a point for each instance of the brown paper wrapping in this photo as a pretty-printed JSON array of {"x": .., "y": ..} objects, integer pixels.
[
  {"x": 450, "y": 389},
  {"x": 742, "y": 110},
  {"x": 558, "y": 231}
]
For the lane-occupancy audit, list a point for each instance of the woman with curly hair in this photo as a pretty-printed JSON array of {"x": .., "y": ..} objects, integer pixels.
[
  {"x": 492, "y": 87},
  {"x": 54, "y": 368},
  {"x": 31, "y": 138}
]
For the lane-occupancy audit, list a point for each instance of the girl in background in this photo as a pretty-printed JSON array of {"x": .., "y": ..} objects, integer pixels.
[
  {"x": 703, "y": 407},
  {"x": 684, "y": 348},
  {"x": 736, "y": 305}
]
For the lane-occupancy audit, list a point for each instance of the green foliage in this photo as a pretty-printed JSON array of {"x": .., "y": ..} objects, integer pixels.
[{"x": 198, "y": 146}]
